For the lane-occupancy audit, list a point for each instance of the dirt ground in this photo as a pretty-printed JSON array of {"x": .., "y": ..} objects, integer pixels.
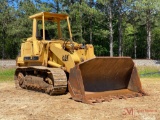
[{"x": 29, "y": 105}]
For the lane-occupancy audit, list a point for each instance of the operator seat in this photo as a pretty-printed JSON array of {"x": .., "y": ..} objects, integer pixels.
[{"x": 46, "y": 34}]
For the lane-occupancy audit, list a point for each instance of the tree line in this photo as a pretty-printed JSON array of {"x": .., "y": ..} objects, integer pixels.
[{"x": 114, "y": 27}]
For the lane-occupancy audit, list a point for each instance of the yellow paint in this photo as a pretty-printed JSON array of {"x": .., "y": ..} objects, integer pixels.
[
  {"x": 54, "y": 53},
  {"x": 43, "y": 26},
  {"x": 27, "y": 49},
  {"x": 34, "y": 28},
  {"x": 69, "y": 28},
  {"x": 35, "y": 47},
  {"x": 54, "y": 64},
  {"x": 59, "y": 29}
]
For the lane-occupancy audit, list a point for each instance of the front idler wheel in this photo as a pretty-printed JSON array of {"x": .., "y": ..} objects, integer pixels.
[{"x": 21, "y": 79}]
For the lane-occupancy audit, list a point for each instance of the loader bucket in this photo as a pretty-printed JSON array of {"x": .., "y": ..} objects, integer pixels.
[{"x": 104, "y": 78}]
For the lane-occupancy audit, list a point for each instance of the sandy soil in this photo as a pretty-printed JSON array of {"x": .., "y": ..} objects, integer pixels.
[{"x": 29, "y": 105}]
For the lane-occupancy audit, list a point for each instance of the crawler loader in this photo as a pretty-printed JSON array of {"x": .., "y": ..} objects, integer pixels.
[{"x": 51, "y": 63}]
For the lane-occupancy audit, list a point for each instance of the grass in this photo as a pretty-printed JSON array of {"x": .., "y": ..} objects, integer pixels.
[
  {"x": 7, "y": 74},
  {"x": 149, "y": 71}
]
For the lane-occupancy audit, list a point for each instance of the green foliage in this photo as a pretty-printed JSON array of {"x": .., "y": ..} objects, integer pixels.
[
  {"x": 128, "y": 39},
  {"x": 89, "y": 24},
  {"x": 99, "y": 50},
  {"x": 6, "y": 74},
  {"x": 155, "y": 43},
  {"x": 149, "y": 71}
]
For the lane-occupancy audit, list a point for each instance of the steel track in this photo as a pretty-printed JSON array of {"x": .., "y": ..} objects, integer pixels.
[{"x": 52, "y": 81}]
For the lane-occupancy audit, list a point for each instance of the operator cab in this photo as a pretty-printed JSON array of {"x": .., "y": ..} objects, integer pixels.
[{"x": 47, "y": 26}]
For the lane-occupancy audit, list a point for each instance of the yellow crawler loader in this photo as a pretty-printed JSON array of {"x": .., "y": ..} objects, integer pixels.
[{"x": 54, "y": 65}]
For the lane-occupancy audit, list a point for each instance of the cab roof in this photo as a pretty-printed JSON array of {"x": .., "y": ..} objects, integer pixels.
[{"x": 49, "y": 16}]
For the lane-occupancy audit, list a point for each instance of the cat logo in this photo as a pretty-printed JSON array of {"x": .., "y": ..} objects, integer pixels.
[{"x": 65, "y": 57}]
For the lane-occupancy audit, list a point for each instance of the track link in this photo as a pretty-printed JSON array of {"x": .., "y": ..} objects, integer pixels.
[{"x": 52, "y": 81}]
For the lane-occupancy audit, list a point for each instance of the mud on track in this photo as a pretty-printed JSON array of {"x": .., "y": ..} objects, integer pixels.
[{"x": 29, "y": 105}]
